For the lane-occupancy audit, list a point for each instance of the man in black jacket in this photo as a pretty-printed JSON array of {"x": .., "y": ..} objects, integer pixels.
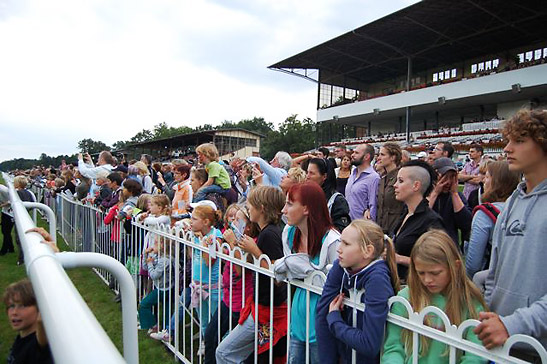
[{"x": 448, "y": 202}]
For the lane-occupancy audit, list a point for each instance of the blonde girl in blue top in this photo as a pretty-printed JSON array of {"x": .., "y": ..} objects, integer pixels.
[
  {"x": 205, "y": 284},
  {"x": 436, "y": 278}
]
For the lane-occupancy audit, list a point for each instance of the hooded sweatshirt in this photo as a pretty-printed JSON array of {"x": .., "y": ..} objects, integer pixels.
[
  {"x": 516, "y": 287},
  {"x": 335, "y": 331}
]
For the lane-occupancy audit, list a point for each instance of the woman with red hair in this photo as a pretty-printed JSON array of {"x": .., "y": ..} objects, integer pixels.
[{"x": 310, "y": 242}]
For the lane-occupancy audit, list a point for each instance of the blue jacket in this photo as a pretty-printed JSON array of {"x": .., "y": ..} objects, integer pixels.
[{"x": 337, "y": 327}]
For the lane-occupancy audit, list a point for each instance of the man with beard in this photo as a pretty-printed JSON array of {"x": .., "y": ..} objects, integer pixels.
[{"x": 362, "y": 186}]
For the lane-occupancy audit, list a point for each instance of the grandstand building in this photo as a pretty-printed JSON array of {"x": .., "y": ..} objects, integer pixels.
[
  {"x": 436, "y": 69},
  {"x": 230, "y": 142}
]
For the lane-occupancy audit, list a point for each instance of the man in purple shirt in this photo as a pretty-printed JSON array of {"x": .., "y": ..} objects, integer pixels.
[
  {"x": 362, "y": 186},
  {"x": 470, "y": 173}
]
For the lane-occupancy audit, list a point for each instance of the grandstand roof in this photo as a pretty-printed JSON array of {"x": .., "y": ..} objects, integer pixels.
[
  {"x": 191, "y": 136},
  {"x": 432, "y": 33}
]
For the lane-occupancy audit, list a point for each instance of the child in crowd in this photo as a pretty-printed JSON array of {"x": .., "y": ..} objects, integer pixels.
[
  {"x": 158, "y": 214},
  {"x": 59, "y": 183},
  {"x": 130, "y": 195},
  {"x": 229, "y": 216},
  {"x": 20, "y": 184},
  {"x": 183, "y": 190},
  {"x": 111, "y": 218},
  {"x": 310, "y": 242},
  {"x": 198, "y": 177},
  {"x": 218, "y": 179},
  {"x": 236, "y": 285},
  {"x": 436, "y": 278},
  {"x": 30, "y": 345},
  {"x": 50, "y": 183},
  {"x": 130, "y": 192},
  {"x": 264, "y": 204},
  {"x": 205, "y": 269},
  {"x": 144, "y": 173},
  {"x": 359, "y": 267},
  {"x": 159, "y": 265},
  {"x": 103, "y": 192},
  {"x": 143, "y": 204}
]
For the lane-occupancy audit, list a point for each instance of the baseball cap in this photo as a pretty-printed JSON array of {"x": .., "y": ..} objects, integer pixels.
[
  {"x": 422, "y": 155},
  {"x": 444, "y": 164}
]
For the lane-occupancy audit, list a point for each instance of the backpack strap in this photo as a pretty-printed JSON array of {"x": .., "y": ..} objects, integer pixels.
[{"x": 489, "y": 209}]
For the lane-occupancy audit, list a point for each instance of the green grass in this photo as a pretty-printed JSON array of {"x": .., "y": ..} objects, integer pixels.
[{"x": 99, "y": 299}]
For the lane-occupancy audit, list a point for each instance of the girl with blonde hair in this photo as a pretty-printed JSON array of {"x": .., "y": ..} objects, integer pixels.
[
  {"x": 366, "y": 261},
  {"x": 144, "y": 173},
  {"x": 436, "y": 278}
]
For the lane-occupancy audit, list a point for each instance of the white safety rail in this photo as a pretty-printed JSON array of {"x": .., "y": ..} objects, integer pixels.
[
  {"x": 84, "y": 229},
  {"x": 74, "y": 334}
]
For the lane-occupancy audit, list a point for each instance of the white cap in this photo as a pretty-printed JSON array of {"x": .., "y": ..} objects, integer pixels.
[
  {"x": 204, "y": 203},
  {"x": 422, "y": 155}
]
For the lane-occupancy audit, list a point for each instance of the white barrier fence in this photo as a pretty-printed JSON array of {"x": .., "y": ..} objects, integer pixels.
[
  {"x": 84, "y": 229},
  {"x": 61, "y": 305}
]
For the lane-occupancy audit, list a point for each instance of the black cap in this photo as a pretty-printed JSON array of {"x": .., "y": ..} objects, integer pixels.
[{"x": 444, "y": 164}]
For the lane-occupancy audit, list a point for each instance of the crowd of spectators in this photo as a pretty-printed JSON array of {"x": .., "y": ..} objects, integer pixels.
[{"x": 350, "y": 211}]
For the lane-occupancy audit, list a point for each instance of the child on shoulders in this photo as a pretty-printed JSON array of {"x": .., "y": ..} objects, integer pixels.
[{"x": 218, "y": 178}]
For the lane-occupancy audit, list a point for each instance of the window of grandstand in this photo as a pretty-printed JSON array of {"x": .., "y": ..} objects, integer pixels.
[
  {"x": 485, "y": 66},
  {"x": 532, "y": 55},
  {"x": 235, "y": 143},
  {"x": 336, "y": 95},
  {"x": 445, "y": 75}
]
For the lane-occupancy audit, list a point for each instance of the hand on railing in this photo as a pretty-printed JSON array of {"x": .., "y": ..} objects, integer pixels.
[
  {"x": 337, "y": 303},
  {"x": 230, "y": 238},
  {"x": 491, "y": 331},
  {"x": 48, "y": 240},
  {"x": 248, "y": 245}
]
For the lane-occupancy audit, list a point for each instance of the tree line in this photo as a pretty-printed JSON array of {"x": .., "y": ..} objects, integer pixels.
[{"x": 293, "y": 135}]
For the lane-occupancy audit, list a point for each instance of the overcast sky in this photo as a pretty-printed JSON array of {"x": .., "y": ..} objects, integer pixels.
[{"x": 106, "y": 69}]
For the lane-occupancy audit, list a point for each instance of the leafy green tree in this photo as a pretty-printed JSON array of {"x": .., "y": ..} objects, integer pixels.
[
  {"x": 142, "y": 136},
  {"x": 120, "y": 144},
  {"x": 162, "y": 130},
  {"x": 204, "y": 127},
  {"x": 256, "y": 124},
  {"x": 91, "y": 146},
  {"x": 227, "y": 124},
  {"x": 294, "y": 136}
]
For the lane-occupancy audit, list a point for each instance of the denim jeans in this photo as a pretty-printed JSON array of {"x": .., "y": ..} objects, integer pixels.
[
  {"x": 204, "y": 311},
  {"x": 185, "y": 300},
  {"x": 239, "y": 344},
  {"x": 212, "y": 334},
  {"x": 297, "y": 352},
  {"x": 209, "y": 189}
]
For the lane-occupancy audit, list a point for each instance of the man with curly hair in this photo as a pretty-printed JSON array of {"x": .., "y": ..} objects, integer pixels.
[{"x": 516, "y": 288}]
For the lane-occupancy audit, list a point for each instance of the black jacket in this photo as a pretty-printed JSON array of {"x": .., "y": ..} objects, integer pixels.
[
  {"x": 454, "y": 221},
  {"x": 421, "y": 221}
]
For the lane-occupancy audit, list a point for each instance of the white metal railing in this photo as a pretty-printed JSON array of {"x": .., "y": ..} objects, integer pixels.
[
  {"x": 83, "y": 229},
  {"x": 74, "y": 334}
]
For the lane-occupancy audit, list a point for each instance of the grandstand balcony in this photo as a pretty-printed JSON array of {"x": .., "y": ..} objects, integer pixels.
[
  {"x": 492, "y": 89},
  {"x": 432, "y": 64}
]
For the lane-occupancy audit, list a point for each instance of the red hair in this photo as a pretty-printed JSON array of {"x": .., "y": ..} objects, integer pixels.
[{"x": 311, "y": 195}]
